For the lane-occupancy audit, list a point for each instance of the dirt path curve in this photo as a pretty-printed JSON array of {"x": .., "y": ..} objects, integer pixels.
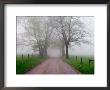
[{"x": 53, "y": 66}]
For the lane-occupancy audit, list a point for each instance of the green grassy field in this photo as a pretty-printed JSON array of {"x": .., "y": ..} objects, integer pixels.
[
  {"x": 84, "y": 68},
  {"x": 25, "y": 64}
]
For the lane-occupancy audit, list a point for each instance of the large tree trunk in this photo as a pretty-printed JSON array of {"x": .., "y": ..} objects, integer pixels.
[
  {"x": 45, "y": 48},
  {"x": 67, "y": 51}
]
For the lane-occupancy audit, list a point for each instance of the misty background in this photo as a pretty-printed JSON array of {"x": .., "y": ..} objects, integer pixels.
[{"x": 25, "y": 47}]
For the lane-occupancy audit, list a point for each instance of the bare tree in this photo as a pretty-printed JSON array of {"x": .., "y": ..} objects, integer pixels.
[
  {"x": 38, "y": 32},
  {"x": 70, "y": 29}
]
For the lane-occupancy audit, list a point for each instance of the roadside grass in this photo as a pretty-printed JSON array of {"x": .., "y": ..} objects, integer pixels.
[
  {"x": 84, "y": 68},
  {"x": 25, "y": 64}
]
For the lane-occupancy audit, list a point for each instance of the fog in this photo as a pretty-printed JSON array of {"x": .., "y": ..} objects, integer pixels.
[{"x": 83, "y": 49}]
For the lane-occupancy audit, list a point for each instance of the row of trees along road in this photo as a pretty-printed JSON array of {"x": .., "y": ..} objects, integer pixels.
[{"x": 42, "y": 31}]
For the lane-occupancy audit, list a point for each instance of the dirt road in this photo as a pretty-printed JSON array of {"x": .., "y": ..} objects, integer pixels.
[{"x": 53, "y": 66}]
